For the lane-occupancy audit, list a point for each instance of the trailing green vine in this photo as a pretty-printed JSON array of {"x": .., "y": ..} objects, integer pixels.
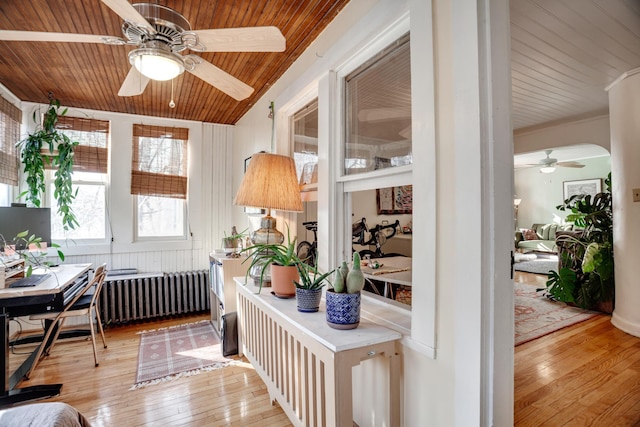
[{"x": 59, "y": 157}]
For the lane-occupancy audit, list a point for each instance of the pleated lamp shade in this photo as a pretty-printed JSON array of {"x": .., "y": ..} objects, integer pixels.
[{"x": 270, "y": 182}]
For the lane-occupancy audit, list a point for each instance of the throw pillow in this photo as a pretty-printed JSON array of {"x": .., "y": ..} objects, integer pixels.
[{"x": 529, "y": 234}]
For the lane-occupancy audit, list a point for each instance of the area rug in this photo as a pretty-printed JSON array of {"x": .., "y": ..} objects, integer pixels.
[
  {"x": 178, "y": 351},
  {"x": 537, "y": 264},
  {"x": 537, "y": 315}
]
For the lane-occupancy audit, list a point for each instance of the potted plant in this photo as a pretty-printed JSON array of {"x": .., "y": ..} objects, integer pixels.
[
  {"x": 22, "y": 246},
  {"x": 233, "y": 242},
  {"x": 586, "y": 274},
  {"x": 309, "y": 288},
  {"x": 343, "y": 301},
  {"x": 48, "y": 146},
  {"x": 277, "y": 263}
]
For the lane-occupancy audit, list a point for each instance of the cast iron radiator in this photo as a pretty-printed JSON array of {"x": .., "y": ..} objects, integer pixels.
[{"x": 133, "y": 299}]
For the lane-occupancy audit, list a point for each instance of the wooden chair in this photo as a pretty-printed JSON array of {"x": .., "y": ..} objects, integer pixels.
[{"x": 83, "y": 304}]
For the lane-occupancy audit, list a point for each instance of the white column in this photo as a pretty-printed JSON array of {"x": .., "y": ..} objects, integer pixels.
[{"x": 624, "y": 116}]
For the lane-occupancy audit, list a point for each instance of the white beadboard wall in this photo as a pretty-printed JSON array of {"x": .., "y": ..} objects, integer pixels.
[{"x": 210, "y": 198}]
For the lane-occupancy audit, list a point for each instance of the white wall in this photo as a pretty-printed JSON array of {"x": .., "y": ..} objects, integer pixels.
[
  {"x": 445, "y": 390},
  {"x": 594, "y": 130},
  {"x": 541, "y": 193},
  {"x": 209, "y": 197}
]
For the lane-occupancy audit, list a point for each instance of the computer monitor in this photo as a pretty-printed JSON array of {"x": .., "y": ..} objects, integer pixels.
[{"x": 16, "y": 219}]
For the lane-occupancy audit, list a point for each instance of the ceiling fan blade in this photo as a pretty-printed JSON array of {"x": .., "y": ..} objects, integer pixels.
[
  {"x": 39, "y": 36},
  {"x": 221, "y": 80},
  {"x": 134, "y": 84},
  {"x": 570, "y": 164},
  {"x": 250, "y": 39},
  {"x": 126, "y": 11}
]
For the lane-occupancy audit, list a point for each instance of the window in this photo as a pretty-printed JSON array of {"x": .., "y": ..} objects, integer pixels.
[
  {"x": 90, "y": 178},
  {"x": 10, "y": 118},
  {"x": 377, "y": 123},
  {"x": 159, "y": 180},
  {"x": 305, "y": 143},
  {"x": 378, "y": 111}
]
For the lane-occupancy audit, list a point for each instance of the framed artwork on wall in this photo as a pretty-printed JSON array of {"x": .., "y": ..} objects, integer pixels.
[
  {"x": 582, "y": 186},
  {"x": 395, "y": 200}
]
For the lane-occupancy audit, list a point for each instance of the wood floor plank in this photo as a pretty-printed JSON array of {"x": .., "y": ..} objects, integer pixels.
[
  {"x": 233, "y": 396},
  {"x": 584, "y": 375}
]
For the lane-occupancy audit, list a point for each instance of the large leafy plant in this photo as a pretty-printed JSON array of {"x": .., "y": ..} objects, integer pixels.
[
  {"x": 586, "y": 274},
  {"x": 49, "y": 147}
]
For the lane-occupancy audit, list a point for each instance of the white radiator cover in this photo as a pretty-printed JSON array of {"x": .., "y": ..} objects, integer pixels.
[{"x": 140, "y": 297}]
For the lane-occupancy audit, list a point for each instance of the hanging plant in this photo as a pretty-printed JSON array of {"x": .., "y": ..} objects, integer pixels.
[{"x": 49, "y": 147}]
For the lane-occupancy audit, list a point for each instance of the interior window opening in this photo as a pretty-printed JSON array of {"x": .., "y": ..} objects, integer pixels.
[{"x": 381, "y": 234}]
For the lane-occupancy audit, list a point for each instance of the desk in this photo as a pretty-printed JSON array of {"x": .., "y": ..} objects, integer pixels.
[
  {"x": 49, "y": 295},
  {"x": 399, "y": 278},
  {"x": 306, "y": 365}
]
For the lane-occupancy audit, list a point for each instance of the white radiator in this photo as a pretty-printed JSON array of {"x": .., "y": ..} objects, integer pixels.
[
  {"x": 307, "y": 366},
  {"x": 132, "y": 298}
]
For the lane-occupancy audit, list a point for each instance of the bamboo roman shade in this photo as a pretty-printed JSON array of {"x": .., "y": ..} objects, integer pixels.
[
  {"x": 10, "y": 118},
  {"x": 159, "y": 161},
  {"x": 92, "y": 152}
]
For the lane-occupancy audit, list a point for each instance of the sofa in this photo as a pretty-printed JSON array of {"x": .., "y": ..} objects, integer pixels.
[{"x": 540, "y": 237}]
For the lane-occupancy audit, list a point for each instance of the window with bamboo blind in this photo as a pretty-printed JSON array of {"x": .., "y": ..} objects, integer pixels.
[
  {"x": 92, "y": 152},
  {"x": 90, "y": 168},
  {"x": 10, "y": 119},
  {"x": 159, "y": 181},
  {"x": 159, "y": 161}
]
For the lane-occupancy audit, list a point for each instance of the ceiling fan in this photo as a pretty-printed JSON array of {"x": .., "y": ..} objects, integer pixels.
[
  {"x": 549, "y": 164},
  {"x": 160, "y": 34}
]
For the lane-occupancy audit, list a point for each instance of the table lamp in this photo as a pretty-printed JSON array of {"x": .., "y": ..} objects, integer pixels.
[{"x": 270, "y": 182}]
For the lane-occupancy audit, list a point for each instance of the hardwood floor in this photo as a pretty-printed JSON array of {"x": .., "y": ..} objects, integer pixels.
[
  {"x": 233, "y": 396},
  {"x": 584, "y": 375}
]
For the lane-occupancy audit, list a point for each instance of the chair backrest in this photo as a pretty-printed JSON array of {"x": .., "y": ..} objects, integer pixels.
[{"x": 98, "y": 280}]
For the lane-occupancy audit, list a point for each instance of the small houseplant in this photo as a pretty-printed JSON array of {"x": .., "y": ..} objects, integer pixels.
[
  {"x": 233, "y": 242},
  {"x": 586, "y": 274},
  {"x": 277, "y": 263},
  {"x": 48, "y": 146},
  {"x": 309, "y": 288},
  {"x": 21, "y": 247},
  {"x": 343, "y": 301}
]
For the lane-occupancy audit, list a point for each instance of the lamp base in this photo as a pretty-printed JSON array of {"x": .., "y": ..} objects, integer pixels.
[{"x": 267, "y": 233}]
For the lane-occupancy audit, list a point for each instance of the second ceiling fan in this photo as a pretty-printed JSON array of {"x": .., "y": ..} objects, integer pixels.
[
  {"x": 549, "y": 164},
  {"x": 160, "y": 35}
]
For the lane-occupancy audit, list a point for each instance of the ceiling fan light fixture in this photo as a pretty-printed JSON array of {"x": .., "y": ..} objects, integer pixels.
[
  {"x": 547, "y": 169},
  {"x": 156, "y": 64}
]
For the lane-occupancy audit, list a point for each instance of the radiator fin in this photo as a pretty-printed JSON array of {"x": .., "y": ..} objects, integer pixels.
[{"x": 148, "y": 298}]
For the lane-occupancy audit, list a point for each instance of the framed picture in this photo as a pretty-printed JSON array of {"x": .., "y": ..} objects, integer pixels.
[
  {"x": 395, "y": 200},
  {"x": 582, "y": 186},
  {"x": 249, "y": 210}
]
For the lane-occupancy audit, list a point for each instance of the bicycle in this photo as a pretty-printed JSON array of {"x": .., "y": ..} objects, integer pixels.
[
  {"x": 378, "y": 236},
  {"x": 308, "y": 251}
]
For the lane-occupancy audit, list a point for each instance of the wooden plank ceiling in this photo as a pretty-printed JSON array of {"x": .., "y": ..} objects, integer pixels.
[{"x": 90, "y": 75}]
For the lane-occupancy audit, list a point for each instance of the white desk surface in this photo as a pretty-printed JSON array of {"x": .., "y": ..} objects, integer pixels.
[
  {"x": 58, "y": 278},
  {"x": 315, "y": 324},
  {"x": 400, "y": 277}
]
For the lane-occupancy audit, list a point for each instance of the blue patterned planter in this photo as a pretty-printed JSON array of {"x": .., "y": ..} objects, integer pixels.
[
  {"x": 308, "y": 300},
  {"x": 343, "y": 310}
]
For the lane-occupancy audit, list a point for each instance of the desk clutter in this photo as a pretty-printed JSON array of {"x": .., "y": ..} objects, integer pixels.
[{"x": 383, "y": 269}]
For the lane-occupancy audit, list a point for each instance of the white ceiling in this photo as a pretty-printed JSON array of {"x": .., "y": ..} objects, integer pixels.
[{"x": 564, "y": 53}]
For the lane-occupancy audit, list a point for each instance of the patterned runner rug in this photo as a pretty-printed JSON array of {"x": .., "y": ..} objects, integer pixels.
[
  {"x": 536, "y": 315},
  {"x": 178, "y": 351}
]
